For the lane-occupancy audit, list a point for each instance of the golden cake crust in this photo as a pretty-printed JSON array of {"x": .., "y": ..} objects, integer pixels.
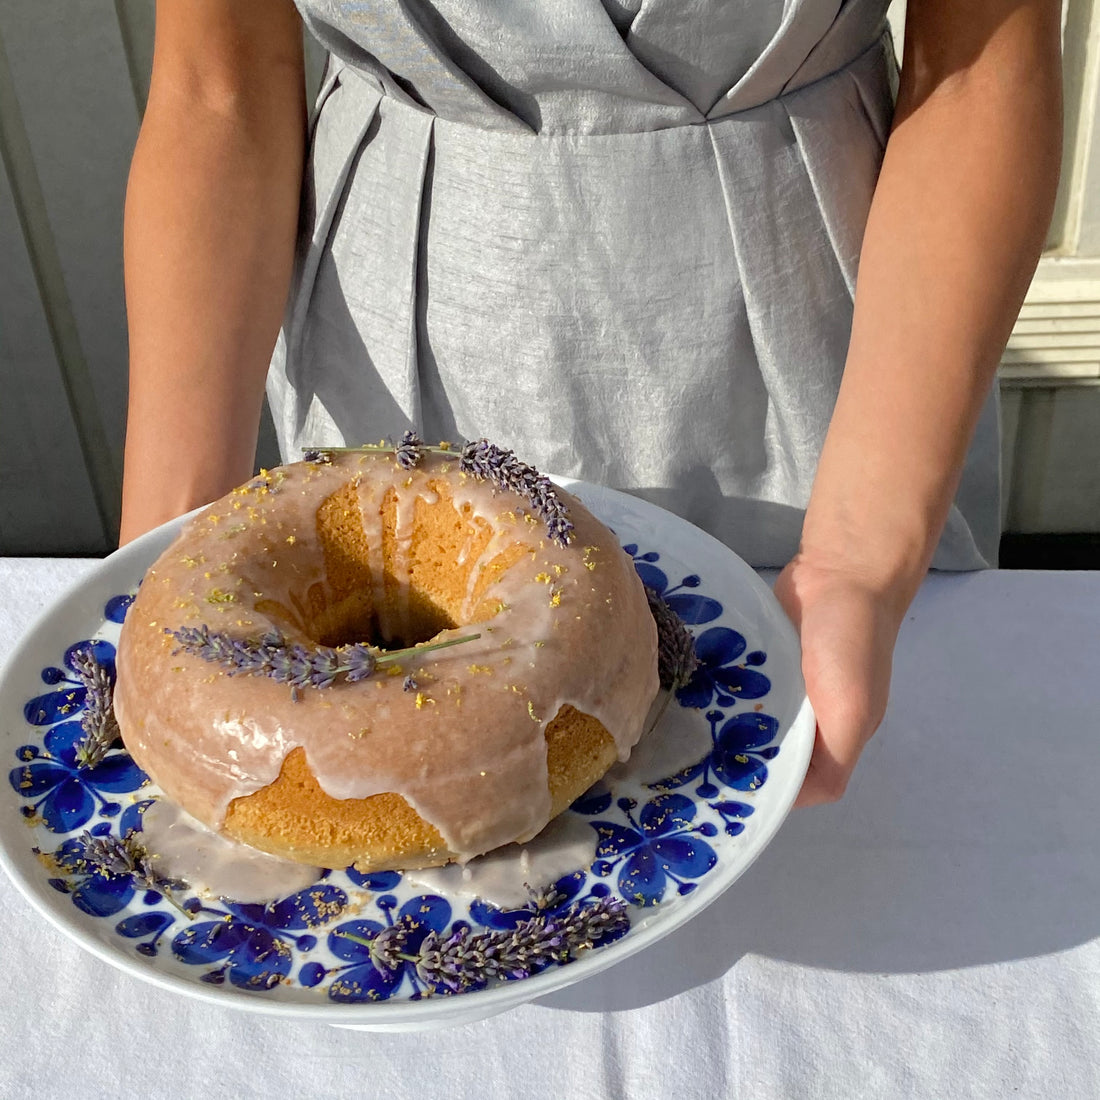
[{"x": 447, "y": 754}]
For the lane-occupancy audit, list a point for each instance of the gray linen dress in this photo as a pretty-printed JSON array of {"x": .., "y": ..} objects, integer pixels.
[{"x": 618, "y": 236}]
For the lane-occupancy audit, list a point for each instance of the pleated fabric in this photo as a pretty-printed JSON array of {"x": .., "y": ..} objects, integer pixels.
[{"x": 620, "y": 237}]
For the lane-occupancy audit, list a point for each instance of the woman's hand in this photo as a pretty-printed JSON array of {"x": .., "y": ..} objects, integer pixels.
[{"x": 848, "y": 625}]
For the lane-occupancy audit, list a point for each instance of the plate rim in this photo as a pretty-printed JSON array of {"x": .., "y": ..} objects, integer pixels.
[{"x": 426, "y": 1012}]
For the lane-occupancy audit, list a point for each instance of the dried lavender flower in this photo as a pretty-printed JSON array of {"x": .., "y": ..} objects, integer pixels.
[
  {"x": 676, "y": 657},
  {"x": 487, "y": 462},
  {"x": 322, "y": 458},
  {"x": 409, "y": 684},
  {"x": 464, "y": 959},
  {"x": 409, "y": 451},
  {"x": 108, "y": 855},
  {"x": 98, "y": 720},
  {"x": 293, "y": 664},
  {"x": 387, "y": 947}
]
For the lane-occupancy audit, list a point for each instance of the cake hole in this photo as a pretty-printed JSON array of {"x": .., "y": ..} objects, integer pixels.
[{"x": 421, "y": 621}]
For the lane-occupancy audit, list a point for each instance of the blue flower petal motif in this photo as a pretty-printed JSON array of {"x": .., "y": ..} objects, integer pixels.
[
  {"x": 65, "y": 795},
  {"x": 360, "y": 980},
  {"x": 662, "y": 846},
  {"x": 738, "y": 759},
  {"x": 378, "y": 882},
  {"x": 718, "y": 678},
  {"x": 116, "y": 608},
  {"x": 595, "y": 800},
  {"x": 69, "y": 793},
  {"x": 154, "y": 925},
  {"x": 739, "y": 755},
  {"x": 96, "y": 893},
  {"x": 732, "y": 814},
  {"x": 692, "y": 608},
  {"x": 253, "y": 942}
]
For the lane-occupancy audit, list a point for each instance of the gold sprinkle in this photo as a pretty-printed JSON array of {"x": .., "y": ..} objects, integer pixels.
[
  {"x": 543, "y": 578},
  {"x": 531, "y": 711},
  {"x": 421, "y": 699},
  {"x": 539, "y": 645},
  {"x": 555, "y": 597},
  {"x": 291, "y": 539},
  {"x": 394, "y": 670},
  {"x": 359, "y": 734},
  {"x": 559, "y": 569},
  {"x": 474, "y": 670},
  {"x": 191, "y": 562},
  {"x": 214, "y": 518},
  {"x": 218, "y": 595}
]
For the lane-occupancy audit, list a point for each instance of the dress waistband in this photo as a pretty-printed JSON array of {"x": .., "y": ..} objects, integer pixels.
[{"x": 829, "y": 59}]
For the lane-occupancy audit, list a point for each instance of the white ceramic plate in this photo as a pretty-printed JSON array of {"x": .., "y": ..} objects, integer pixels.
[{"x": 699, "y": 800}]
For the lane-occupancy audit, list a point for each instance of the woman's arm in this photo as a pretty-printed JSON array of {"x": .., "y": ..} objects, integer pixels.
[
  {"x": 955, "y": 229},
  {"x": 211, "y": 214}
]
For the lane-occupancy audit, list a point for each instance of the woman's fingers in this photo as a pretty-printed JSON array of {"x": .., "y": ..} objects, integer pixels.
[{"x": 847, "y": 635}]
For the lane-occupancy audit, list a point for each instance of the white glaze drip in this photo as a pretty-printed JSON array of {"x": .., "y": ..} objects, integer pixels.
[
  {"x": 183, "y": 848},
  {"x": 503, "y": 876}
]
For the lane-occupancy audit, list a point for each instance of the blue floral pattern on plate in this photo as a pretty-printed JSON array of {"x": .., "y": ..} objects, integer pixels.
[{"x": 653, "y": 842}]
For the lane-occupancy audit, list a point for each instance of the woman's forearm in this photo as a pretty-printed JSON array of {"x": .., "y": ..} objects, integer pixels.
[
  {"x": 211, "y": 213},
  {"x": 956, "y": 226}
]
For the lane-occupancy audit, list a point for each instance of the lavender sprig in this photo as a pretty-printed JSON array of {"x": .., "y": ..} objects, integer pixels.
[
  {"x": 98, "y": 720},
  {"x": 108, "y": 855},
  {"x": 296, "y": 665},
  {"x": 464, "y": 959},
  {"x": 487, "y": 462},
  {"x": 676, "y": 657}
]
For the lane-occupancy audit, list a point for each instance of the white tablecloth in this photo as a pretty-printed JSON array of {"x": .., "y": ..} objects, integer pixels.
[{"x": 936, "y": 934}]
